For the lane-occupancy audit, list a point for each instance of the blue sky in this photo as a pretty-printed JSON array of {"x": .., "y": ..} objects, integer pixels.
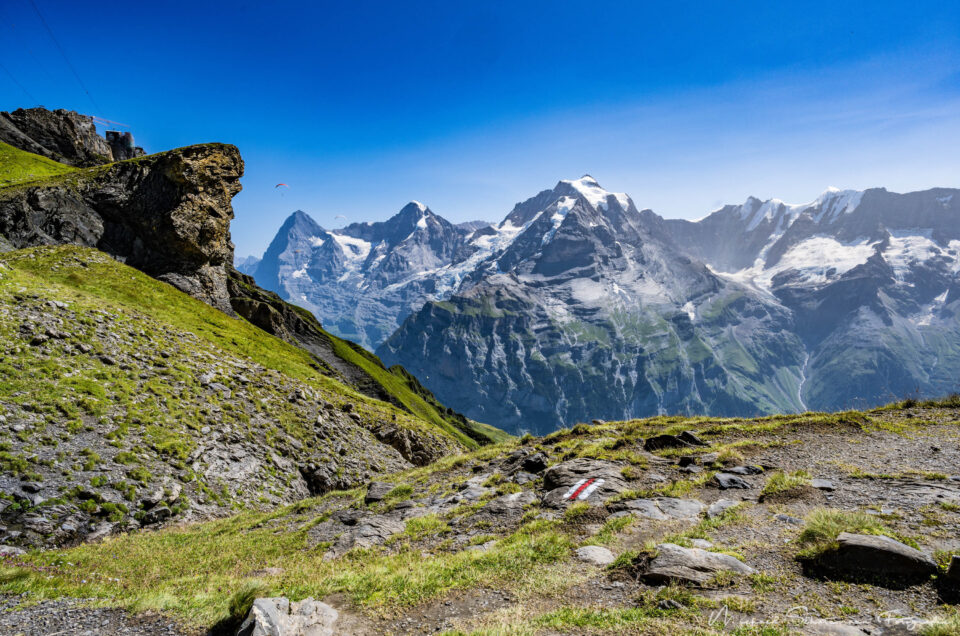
[{"x": 473, "y": 106}]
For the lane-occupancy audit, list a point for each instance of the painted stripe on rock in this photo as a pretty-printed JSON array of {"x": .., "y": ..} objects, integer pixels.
[{"x": 574, "y": 488}]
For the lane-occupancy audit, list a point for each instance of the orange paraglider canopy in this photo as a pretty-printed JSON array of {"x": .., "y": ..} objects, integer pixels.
[{"x": 281, "y": 184}]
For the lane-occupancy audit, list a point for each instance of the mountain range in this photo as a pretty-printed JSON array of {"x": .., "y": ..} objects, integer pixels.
[{"x": 579, "y": 305}]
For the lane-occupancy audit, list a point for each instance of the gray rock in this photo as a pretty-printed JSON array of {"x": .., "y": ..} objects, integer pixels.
[
  {"x": 660, "y": 442},
  {"x": 726, "y": 481},
  {"x": 595, "y": 554},
  {"x": 369, "y": 531},
  {"x": 689, "y": 565},
  {"x": 745, "y": 470},
  {"x": 11, "y": 550},
  {"x": 664, "y": 508},
  {"x": 156, "y": 515},
  {"x": 523, "y": 477},
  {"x": 720, "y": 506},
  {"x": 535, "y": 463},
  {"x": 703, "y": 544},
  {"x": 788, "y": 519},
  {"x": 691, "y": 438},
  {"x": 878, "y": 558},
  {"x": 280, "y": 617},
  {"x": 823, "y": 484},
  {"x": 376, "y": 491},
  {"x": 564, "y": 475}
]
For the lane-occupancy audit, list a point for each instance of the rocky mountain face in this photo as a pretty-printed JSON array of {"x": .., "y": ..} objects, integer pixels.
[
  {"x": 578, "y": 305},
  {"x": 364, "y": 279},
  {"x": 167, "y": 214},
  {"x": 585, "y": 308},
  {"x": 870, "y": 278},
  {"x": 62, "y": 135}
]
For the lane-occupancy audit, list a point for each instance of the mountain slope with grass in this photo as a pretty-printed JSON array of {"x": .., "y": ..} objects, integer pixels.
[
  {"x": 128, "y": 403},
  {"x": 169, "y": 215},
  {"x": 700, "y": 526}
]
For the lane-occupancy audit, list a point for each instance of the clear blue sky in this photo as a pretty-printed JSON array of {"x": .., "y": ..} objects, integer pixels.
[{"x": 473, "y": 106}]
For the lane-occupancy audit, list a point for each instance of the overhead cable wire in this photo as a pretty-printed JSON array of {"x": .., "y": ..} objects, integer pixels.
[
  {"x": 21, "y": 86},
  {"x": 4, "y": 18},
  {"x": 64, "y": 54}
]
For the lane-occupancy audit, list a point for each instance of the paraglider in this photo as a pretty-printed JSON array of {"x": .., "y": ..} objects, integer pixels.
[{"x": 279, "y": 185}]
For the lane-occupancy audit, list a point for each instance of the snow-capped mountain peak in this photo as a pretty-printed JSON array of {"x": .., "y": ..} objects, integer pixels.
[{"x": 598, "y": 197}]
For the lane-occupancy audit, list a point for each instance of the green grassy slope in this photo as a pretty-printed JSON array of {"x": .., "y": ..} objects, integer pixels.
[
  {"x": 20, "y": 169},
  {"x": 104, "y": 283},
  {"x": 19, "y": 166}
]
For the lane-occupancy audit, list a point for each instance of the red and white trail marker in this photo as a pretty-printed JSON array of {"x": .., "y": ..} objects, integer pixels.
[{"x": 582, "y": 489}]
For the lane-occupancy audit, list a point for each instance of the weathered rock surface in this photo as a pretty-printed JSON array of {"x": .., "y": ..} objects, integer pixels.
[
  {"x": 726, "y": 481},
  {"x": 596, "y": 555},
  {"x": 558, "y": 479},
  {"x": 675, "y": 564},
  {"x": 874, "y": 558},
  {"x": 61, "y": 135},
  {"x": 279, "y": 617},
  {"x": 662, "y": 508},
  {"x": 167, "y": 215},
  {"x": 720, "y": 506}
]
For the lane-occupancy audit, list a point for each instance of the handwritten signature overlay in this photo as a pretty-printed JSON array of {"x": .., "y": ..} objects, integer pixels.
[{"x": 801, "y": 615}]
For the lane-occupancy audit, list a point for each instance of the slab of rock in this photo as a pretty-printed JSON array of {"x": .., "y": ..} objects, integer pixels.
[
  {"x": 725, "y": 481},
  {"x": 279, "y": 617},
  {"x": 720, "y": 506},
  {"x": 875, "y": 558},
  {"x": 692, "y": 566},
  {"x": 558, "y": 479},
  {"x": 691, "y": 438},
  {"x": 377, "y": 491},
  {"x": 595, "y": 554},
  {"x": 663, "y": 508},
  {"x": 745, "y": 470},
  {"x": 369, "y": 531},
  {"x": 661, "y": 442},
  {"x": 823, "y": 484}
]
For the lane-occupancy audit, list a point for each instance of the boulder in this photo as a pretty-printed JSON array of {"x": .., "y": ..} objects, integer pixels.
[
  {"x": 661, "y": 442},
  {"x": 558, "y": 480},
  {"x": 745, "y": 470},
  {"x": 535, "y": 463},
  {"x": 720, "y": 506},
  {"x": 725, "y": 481},
  {"x": 691, "y": 438},
  {"x": 823, "y": 484},
  {"x": 368, "y": 532},
  {"x": 953, "y": 571},
  {"x": 692, "y": 566},
  {"x": 377, "y": 491},
  {"x": 279, "y": 617},
  {"x": 878, "y": 559},
  {"x": 595, "y": 554},
  {"x": 663, "y": 508}
]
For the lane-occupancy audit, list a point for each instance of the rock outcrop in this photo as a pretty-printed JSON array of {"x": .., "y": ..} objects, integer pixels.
[
  {"x": 878, "y": 559},
  {"x": 62, "y": 135},
  {"x": 168, "y": 215},
  {"x": 280, "y": 617}
]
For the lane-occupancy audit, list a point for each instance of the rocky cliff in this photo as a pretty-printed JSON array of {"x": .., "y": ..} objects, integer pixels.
[
  {"x": 62, "y": 135},
  {"x": 169, "y": 216},
  {"x": 166, "y": 214}
]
